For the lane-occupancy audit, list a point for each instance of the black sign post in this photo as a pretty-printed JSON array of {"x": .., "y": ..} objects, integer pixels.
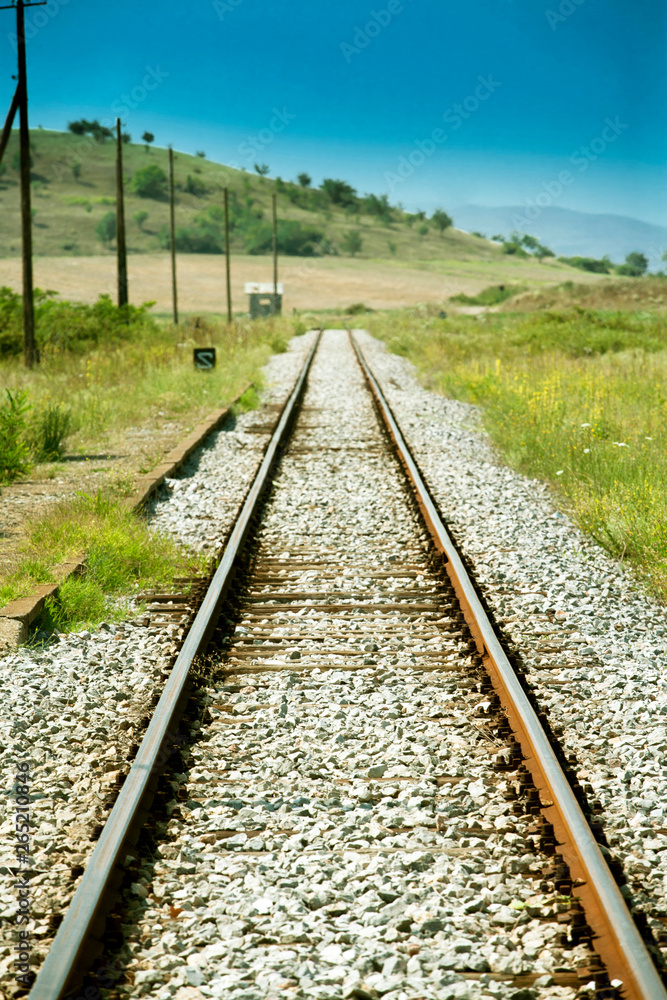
[{"x": 204, "y": 358}]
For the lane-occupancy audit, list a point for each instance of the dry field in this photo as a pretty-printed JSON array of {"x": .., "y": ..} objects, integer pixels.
[{"x": 321, "y": 283}]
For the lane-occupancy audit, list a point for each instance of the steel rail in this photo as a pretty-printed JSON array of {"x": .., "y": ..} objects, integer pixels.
[
  {"x": 61, "y": 962},
  {"x": 617, "y": 939}
]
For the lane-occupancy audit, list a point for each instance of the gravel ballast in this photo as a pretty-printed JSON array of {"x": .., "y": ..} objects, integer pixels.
[
  {"x": 344, "y": 832},
  {"x": 342, "y": 829},
  {"x": 77, "y": 704},
  {"x": 593, "y": 643}
]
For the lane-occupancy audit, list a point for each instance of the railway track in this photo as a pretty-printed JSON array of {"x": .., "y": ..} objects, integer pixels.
[{"x": 362, "y": 800}]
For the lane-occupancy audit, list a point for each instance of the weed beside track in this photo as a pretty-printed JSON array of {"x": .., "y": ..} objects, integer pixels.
[{"x": 575, "y": 398}]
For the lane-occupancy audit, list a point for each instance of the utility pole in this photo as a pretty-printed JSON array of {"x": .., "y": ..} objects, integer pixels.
[
  {"x": 7, "y": 130},
  {"x": 274, "y": 200},
  {"x": 227, "y": 261},
  {"x": 121, "y": 246},
  {"x": 21, "y": 100},
  {"x": 172, "y": 221}
]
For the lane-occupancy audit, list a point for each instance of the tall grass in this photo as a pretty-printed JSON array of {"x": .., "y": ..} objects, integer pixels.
[
  {"x": 123, "y": 555},
  {"x": 577, "y": 399},
  {"x": 145, "y": 380}
]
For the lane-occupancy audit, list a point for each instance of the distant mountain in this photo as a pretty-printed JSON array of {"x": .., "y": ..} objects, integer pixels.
[{"x": 570, "y": 233}]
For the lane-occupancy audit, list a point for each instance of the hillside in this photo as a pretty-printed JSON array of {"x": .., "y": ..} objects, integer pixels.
[{"x": 67, "y": 208}]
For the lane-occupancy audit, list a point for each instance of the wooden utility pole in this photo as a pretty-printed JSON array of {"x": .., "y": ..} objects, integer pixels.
[
  {"x": 227, "y": 261},
  {"x": 7, "y": 130},
  {"x": 29, "y": 349},
  {"x": 172, "y": 222},
  {"x": 21, "y": 102},
  {"x": 121, "y": 246},
  {"x": 274, "y": 200}
]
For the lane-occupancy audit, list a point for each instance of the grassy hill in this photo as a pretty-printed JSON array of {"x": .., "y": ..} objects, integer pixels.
[{"x": 67, "y": 208}]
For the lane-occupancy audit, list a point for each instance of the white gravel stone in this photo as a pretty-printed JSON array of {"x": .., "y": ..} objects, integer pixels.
[
  {"x": 339, "y": 835},
  {"x": 593, "y": 642}
]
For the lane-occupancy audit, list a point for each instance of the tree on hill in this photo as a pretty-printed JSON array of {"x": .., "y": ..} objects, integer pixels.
[
  {"x": 352, "y": 242},
  {"x": 150, "y": 182},
  {"x": 305, "y": 180},
  {"x": 636, "y": 265},
  {"x": 140, "y": 217},
  {"x": 148, "y": 138},
  {"x": 541, "y": 252},
  {"x": 339, "y": 192},
  {"x": 441, "y": 220},
  {"x": 262, "y": 169},
  {"x": 529, "y": 242},
  {"x": 106, "y": 228},
  {"x": 374, "y": 205},
  {"x": 98, "y": 131}
]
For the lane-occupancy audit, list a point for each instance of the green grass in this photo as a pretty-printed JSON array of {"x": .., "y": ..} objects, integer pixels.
[
  {"x": 577, "y": 399},
  {"x": 133, "y": 385},
  {"x": 123, "y": 556},
  {"x": 491, "y": 296},
  {"x": 148, "y": 381}
]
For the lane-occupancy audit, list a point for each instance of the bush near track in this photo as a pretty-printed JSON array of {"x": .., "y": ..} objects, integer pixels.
[
  {"x": 105, "y": 369},
  {"x": 115, "y": 373},
  {"x": 577, "y": 398}
]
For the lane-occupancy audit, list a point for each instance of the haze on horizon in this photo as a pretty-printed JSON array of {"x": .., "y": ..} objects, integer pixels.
[{"x": 498, "y": 102}]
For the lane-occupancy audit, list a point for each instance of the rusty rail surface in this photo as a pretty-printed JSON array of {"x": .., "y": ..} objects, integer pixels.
[
  {"x": 78, "y": 924},
  {"x": 617, "y": 940}
]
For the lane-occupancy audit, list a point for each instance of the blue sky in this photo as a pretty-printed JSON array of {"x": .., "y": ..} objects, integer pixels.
[{"x": 369, "y": 91}]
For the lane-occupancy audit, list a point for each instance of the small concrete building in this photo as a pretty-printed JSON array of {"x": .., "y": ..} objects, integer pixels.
[{"x": 263, "y": 301}]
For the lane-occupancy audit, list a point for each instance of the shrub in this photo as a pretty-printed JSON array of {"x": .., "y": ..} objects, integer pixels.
[
  {"x": 14, "y": 454},
  {"x": 441, "y": 220},
  {"x": 339, "y": 192},
  {"x": 205, "y": 236},
  {"x": 140, "y": 218},
  {"x": 195, "y": 187},
  {"x": 352, "y": 242},
  {"x": 51, "y": 425},
  {"x": 587, "y": 264},
  {"x": 356, "y": 309},
  {"x": 149, "y": 182},
  {"x": 293, "y": 239},
  {"x": 11, "y": 322},
  {"x": 491, "y": 296},
  {"x": 67, "y": 325},
  {"x": 106, "y": 228}
]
